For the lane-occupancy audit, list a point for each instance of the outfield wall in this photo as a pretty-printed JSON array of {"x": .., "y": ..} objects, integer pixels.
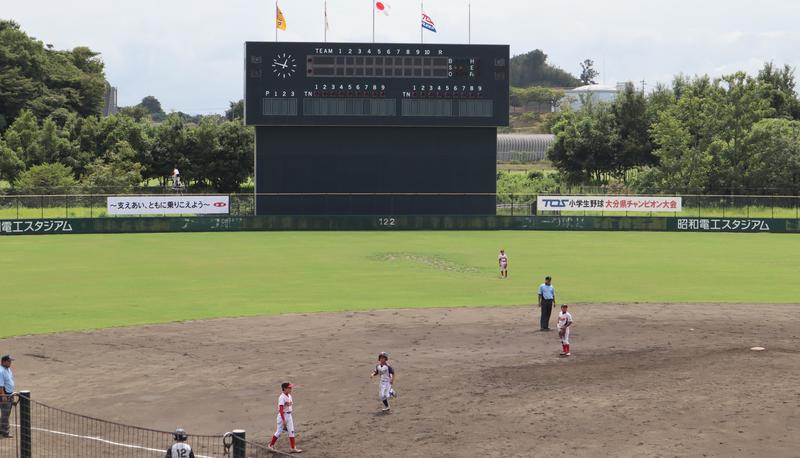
[{"x": 373, "y": 223}]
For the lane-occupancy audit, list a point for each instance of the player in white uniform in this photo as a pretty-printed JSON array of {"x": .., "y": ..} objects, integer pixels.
[
  {"x": 180, "y": 449},
  {"x": 502, "y": 260},
  {"x": 285, "y": 420},
  {"x": 386, "y": 380},
  {"x": 564, "y": 323}
]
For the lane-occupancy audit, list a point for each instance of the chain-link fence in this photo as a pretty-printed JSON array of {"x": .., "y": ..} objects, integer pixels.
[
  {"x": 43, "y": 431},
  {"x": 506, "y": 204}
]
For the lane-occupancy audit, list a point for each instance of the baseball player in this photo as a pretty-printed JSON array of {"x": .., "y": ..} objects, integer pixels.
[
  {"x": 386, "y": 379},
  {"x": 285, "y": 407},
  {"x": 502, "y": 260},
  {"x": 564, "y": 323},
  {"x": 180, "y": 449}
]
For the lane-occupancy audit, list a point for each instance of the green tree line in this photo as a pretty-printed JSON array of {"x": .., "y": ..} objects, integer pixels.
[
  {"x": 53, "y": 139},
  {"x": 737, "y": 134}
]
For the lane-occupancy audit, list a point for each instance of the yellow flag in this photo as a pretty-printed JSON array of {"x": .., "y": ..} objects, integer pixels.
[{"x": 280, "y": 21}]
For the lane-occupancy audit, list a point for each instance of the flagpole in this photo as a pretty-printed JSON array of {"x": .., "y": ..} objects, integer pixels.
[
  {"x": 421, "y": 29},
  {"x": 276, "y": 21},
  {"x": 469, "y": 23},
  {"x": 325, "y": 25},
  {"x": 373, "y": 21}
]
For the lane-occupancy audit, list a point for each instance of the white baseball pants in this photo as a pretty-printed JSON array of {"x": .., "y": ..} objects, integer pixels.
[
  {"x": 289, "y": 425},
  {"x": 384, "y": 390}
]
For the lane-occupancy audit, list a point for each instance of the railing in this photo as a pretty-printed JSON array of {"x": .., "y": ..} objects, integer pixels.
[
  {"x": 42, "y": 431},
  {"x": 15, "y": 207}
]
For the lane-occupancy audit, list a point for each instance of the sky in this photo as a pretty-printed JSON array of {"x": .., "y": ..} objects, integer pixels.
[{"x": 189, "y": 54}]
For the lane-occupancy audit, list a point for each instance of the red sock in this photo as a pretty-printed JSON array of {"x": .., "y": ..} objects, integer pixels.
[
  {"x": 291, "y": 442},
  {"x": 563, "y": 348},
  {"x": 274, "y": 439},
  {"x": 567, "y": 347}
]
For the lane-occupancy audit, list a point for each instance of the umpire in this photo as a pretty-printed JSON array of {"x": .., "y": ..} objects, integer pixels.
[{"x": 547, "y": 300}]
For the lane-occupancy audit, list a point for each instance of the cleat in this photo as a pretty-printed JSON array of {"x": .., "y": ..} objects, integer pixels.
[
  {"x": 386, "y": 409},
  {"x": 271, "y": 449},
  {"x": 296, "y": 450},
  {"x": 567, "y": 354}
]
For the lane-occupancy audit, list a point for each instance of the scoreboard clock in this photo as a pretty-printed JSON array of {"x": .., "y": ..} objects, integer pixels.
[{"x": 358, "y": 84}]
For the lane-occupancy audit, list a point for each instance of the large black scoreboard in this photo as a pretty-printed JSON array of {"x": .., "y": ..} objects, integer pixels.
[
  {"x": 376, "y": 84},
  {"x": 352, "y": 119}
]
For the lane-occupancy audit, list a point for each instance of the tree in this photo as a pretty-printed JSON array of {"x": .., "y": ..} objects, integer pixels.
[
  {"x": 586, "y": 143},
  {"x": 10, "y": 165},
  {"x": 633, "y": 120},
  {"x": 236, "y": 111},
  {"x": 520, "y": 97},
  {"x": 55, "y": 145},
  {"x": 778, "y": 86},
  {"x": 233, "y": 164},
  {"x": 170, "y": 149},
  {"x": 153, "y": 106},
  {"x": 22, "y": 137},
  {"x": 773, "y": 146},
  {"x": 43, "y": 80},
  {"x": 588, "y": 73},
  {"x": 532, "y": 69},
  {"x": 681, "y": 168},
  {"x": 116, "y": 172},
  {"x": 45, "y": 179}
]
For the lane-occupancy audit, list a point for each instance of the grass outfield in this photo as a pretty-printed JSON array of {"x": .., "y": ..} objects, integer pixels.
[{"x": 72, "y": 282}]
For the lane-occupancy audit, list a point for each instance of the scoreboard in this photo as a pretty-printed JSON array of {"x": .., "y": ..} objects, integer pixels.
[{"x": 376, "y": 84}]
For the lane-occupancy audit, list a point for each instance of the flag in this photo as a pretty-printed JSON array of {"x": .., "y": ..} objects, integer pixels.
[
  {"x": 427, "y": 23},
  {"x": 383, "y": 7},
  {"x": 280, "y": 21}
]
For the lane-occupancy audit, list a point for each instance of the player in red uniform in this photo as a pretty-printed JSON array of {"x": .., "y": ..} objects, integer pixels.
[{"x": 285, "y": 420}]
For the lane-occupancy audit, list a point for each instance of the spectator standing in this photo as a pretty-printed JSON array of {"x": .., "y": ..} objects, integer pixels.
[{"x": 6, "y": 401}]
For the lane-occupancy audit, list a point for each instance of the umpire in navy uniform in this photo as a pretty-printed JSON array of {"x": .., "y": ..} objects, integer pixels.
[{"x": 547, "y": 300}]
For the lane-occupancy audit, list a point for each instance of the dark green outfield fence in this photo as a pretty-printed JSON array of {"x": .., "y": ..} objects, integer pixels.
[{"x": 372, "y": 223}]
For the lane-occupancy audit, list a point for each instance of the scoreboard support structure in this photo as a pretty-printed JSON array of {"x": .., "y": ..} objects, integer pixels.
[{"x": 375, "y": 129}]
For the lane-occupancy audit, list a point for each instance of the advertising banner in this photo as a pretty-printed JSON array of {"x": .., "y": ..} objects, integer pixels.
[
  {"x": 168, "y": 205},
  {"x": 609, "y": 203}
]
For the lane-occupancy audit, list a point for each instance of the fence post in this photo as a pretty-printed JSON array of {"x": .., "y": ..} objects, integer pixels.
[
  {"x": 66, "y": 206},
  {"x": 25, "y": 438},
  {"x": 239, "y": 444},
  {"x": 41, "y": 204}
]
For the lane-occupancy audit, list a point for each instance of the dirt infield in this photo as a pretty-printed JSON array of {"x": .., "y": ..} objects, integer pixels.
[{"x": 645, "y": 380}]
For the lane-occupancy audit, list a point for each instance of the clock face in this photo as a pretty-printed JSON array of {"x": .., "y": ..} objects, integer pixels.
[{"x": 284, "y": 65}]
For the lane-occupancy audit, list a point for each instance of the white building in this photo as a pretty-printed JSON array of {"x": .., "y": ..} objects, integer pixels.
[{"x": 595, "y": 92}]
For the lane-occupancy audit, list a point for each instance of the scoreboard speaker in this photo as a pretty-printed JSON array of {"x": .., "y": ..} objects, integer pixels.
[{"x": 379, "y": 129}]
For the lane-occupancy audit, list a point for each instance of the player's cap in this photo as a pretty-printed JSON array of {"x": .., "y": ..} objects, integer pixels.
[
  {"x": 564, "y": 305},
  {"x": 7, "y": 358},
  {"x": 548, "y": 277},
  {"x": 286, "y": 385},
  {"x": 384, "y": 354}
]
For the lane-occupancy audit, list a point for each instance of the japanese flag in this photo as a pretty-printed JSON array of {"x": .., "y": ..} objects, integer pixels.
[{"x": 382, "y": 7}]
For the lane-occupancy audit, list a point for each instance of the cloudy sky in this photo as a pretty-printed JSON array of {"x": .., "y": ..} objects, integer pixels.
[{"x": 189, "y": 53}]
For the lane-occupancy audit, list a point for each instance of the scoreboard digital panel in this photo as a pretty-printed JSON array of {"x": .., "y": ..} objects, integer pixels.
[{"x": 376, "y": 84}]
